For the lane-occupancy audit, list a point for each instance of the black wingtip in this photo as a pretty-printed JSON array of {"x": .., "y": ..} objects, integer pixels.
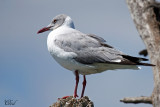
[
  {"x": 134, "y": 59},
  {"x": 146, "y": 64},
  {"x": 137, "y": 60},
  {"x": 143, "y": 59}
]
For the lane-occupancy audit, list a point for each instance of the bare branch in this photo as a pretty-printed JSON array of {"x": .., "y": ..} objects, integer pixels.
[
  {"x": 143, "y": 52},
  {"x": 136, "y": 100}
]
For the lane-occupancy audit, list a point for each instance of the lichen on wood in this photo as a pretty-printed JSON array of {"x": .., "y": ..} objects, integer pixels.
[{"x": 73, "y": 102}]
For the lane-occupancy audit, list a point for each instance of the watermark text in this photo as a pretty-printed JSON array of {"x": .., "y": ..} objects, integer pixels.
[{"x": 10, "y": 102}]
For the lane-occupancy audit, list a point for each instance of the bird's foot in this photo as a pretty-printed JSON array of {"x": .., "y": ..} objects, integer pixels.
[
  {"x": 63, "y": 97},
  {"x": 75, "y": 95}
]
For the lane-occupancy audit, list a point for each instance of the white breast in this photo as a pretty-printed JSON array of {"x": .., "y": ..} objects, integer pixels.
[{"x": 64, "y": 58}]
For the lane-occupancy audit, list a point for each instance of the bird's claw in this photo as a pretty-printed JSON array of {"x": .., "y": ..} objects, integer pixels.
[
  {"x": 75, "y": 95},
  {"x": 63, "y": 97}
]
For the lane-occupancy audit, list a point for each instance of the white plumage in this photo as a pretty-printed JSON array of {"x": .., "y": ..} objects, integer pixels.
[{"x": 84, "y": 53}]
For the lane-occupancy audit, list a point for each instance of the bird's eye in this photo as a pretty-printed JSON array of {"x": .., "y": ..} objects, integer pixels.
[{"x": 54, "y": 21}]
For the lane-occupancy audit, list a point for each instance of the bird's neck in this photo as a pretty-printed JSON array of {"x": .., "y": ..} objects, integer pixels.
[{"x": 68, "y": 22}]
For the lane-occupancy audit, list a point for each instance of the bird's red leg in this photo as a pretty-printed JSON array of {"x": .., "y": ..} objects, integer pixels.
[
  {"x": 77, "y": 81},
  {"x": 84, "y": 85},
  {"x": 75, "y": 90}
]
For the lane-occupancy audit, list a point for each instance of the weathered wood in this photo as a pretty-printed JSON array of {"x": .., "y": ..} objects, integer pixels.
[
  {"x": 146, "y": 16},
  {"x": 73, "y": 102},
  {"x": 137, "y": 100}
]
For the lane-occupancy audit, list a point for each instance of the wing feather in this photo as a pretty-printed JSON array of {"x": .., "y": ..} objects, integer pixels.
[{"x": 91, "y": 49}]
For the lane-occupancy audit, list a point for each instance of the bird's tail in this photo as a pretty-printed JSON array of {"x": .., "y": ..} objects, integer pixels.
[
  {"x": 137, "y": 60},
  {"x": 145, "y": 64}
]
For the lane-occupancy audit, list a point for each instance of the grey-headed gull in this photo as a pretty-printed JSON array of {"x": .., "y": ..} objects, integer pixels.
[{"x": 84, "y": 53}]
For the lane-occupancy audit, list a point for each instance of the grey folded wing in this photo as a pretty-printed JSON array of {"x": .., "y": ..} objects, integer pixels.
[
  {"x": 89, "y": 49},
  {"x": 98, "y": 55}
]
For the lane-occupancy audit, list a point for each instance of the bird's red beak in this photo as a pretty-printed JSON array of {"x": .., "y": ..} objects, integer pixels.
[{"x": 44, "y": 29}]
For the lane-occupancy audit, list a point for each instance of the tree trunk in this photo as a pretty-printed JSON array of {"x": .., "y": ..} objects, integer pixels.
[{"x": 146, "y": 16}]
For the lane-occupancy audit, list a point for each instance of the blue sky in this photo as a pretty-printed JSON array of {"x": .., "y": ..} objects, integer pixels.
[{"x": 30, "y": 75}]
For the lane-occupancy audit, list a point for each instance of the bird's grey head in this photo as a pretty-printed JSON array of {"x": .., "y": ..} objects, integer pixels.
[{"x": 58, "y": 21}]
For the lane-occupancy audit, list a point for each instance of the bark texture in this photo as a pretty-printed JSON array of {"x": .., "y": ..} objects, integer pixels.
[
  {"x": 136, "y": 100},
  {"x": 73, "y": 102},
  {"x": 146, "y": 16}
]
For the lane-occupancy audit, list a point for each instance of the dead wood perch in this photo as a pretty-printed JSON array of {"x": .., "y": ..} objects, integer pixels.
[
  {"x": 146, "y": 16},
  {"x": 137, "y": 100},
  {"x": 73, "y": 102}
]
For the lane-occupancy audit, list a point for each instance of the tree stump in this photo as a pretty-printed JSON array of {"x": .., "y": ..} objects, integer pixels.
[{"x": 73, "y": 102}]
